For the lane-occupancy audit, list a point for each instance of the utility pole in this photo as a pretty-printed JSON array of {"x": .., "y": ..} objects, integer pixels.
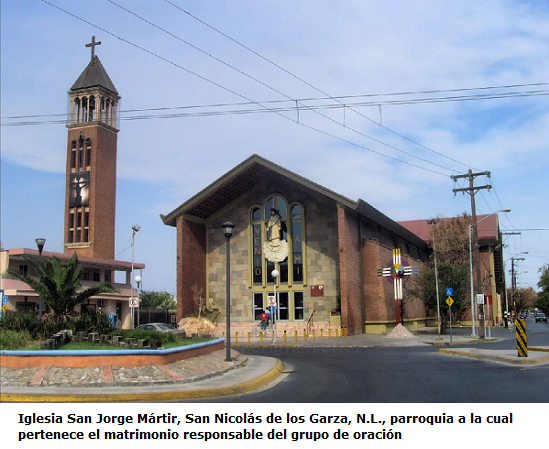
[{"x": 471, "y": 190}]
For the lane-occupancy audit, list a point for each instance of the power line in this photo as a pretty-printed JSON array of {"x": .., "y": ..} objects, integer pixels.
[
  {"x": 289, "y": 108},
  {"x": 311, "y": 85},
  {"x": 242, "y": 96},
  {"x": 278, "y": 91}
]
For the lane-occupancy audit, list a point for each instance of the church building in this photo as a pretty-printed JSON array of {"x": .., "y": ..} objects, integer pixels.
[{"x": 328, "y": 253}]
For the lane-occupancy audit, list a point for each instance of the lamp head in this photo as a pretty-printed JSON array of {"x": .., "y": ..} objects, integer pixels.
[
  {"x": 40, "y": 242},
  {"x": 228, "y": 229},
  {"x": 275, "y": 273}
]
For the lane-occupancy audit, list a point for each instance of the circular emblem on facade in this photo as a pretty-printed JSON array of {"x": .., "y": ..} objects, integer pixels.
[
  {"x": 276, "y": 250},
  {"x": 397, "y": 271}
]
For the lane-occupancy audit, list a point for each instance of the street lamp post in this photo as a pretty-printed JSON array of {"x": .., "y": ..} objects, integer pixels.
[
  {"x": 138, "y": 282},
  {"x": 135, "y": 229},
  {"x": 477, "y": 269},
  {"x": 228, "y": 228},
  {"x": 40, "y": 242},
  {"x": 432, "y": 221}
]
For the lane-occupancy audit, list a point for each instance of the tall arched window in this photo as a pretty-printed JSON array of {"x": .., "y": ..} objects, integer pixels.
[{"x": 292, "y": 279}]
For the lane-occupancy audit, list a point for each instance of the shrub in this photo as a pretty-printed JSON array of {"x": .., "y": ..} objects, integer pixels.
[
  {"x": 93, "y": 321},
  {"x": 11, "y": 340},
  {"x": 19, "y": 321}
]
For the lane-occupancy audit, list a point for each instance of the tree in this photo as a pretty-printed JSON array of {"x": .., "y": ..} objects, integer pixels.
[
  {"x": 58, "y": 284},
  {"x": 451, "y": 237},
  {"x": 157, "y": 300},
  {"x": 543, "y": 296},
  {"x": 525, "y": 298}
]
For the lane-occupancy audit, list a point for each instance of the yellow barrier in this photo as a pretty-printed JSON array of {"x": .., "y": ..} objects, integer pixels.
[
  {"x": 295, "y": 335},
  {"x": 261, "y": 337},
  {"x": 322, "y": 334},
  {"x": 284, "y": 336}
]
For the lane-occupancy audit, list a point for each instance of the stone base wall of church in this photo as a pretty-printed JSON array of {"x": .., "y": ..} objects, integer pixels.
[{"x": 321, "y": 329}]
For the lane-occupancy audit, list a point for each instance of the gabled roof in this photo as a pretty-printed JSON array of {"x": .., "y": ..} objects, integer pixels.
[
  {"x": 235, "y": 183},
  {"x": 255, "y": 169},
  {"x": 94, "y": 75},
  {"x": 488, "y": 228}
]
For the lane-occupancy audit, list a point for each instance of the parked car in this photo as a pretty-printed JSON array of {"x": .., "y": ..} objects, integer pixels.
[
  {"x": 541, "y": 317},
  {"x": 523, "y": 315},
  {"x": 161, "y": 327}
]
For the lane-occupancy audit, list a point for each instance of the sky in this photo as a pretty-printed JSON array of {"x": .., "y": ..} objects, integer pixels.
[{"x": 377, "y": 100}]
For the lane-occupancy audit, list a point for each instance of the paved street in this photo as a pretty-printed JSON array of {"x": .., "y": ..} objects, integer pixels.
[
  {"x": 399, "y": 367},
  {"x": 414, "y": 373}
]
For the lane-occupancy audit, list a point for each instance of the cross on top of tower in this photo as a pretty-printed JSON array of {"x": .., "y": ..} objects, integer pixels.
[{"x": 92, "y": 44}]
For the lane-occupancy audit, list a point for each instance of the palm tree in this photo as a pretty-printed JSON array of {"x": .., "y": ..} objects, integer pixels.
[{"x": 58, "y": 284}]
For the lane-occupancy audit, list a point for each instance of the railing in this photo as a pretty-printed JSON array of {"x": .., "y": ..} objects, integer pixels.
[
  {"x": 216, "y": 316},
  {"x": 310, "y": 322}
]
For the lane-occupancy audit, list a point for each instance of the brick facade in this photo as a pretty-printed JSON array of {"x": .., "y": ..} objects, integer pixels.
[
  {"x": 191, "y": 265},
  {"x": 102, "y": 191}
]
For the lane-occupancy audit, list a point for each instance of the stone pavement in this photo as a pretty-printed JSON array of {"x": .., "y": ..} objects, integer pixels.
[{"x": 211, "y": 376}]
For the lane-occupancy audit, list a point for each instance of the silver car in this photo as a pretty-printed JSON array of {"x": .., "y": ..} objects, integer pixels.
[{"x": 160, "y": 327}]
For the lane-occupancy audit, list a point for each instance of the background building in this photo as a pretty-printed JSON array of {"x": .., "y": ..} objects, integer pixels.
[{"x": 491, "y": 262}]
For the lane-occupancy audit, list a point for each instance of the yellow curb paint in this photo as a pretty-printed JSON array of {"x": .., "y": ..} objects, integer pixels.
[{"x": 242, "y": 388}]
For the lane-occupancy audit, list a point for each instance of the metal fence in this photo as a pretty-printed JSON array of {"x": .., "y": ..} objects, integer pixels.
[{"x": 157, "y": 316}]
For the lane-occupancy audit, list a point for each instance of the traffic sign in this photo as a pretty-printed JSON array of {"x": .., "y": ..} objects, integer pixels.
[
  {"x": 449, "y": 301},
  {"x": 5, "y": 308},
  {"x": 5, "y": 299},
  {"x": 480, "y": 298},
  {"x": 449, "y": 291},
  {"x": 271, "y": 301},
  {"x": 134, "y": 302}
]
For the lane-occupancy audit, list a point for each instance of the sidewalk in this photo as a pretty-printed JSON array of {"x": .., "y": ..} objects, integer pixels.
[{"x": 211, "y": 376}]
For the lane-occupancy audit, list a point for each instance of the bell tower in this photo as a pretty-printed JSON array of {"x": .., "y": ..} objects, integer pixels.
[{"x": 90, "y": 199}]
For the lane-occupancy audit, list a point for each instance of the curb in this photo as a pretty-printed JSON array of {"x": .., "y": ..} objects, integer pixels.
[
  {"x": 498, "y": 358},
  {"x": 241, "y": 388}
]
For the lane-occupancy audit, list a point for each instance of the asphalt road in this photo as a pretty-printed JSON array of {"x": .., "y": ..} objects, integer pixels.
[{"x": 405, "y": 374}]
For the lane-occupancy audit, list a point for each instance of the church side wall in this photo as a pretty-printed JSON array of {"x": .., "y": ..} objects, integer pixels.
[
  {"x": 380, "y": 315},
  {"x": 191, "y": 266},
  {"x": 349, "y": 260}
]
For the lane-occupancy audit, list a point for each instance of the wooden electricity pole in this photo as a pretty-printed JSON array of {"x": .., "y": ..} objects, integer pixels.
[{"x": 471, "y": 190}]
